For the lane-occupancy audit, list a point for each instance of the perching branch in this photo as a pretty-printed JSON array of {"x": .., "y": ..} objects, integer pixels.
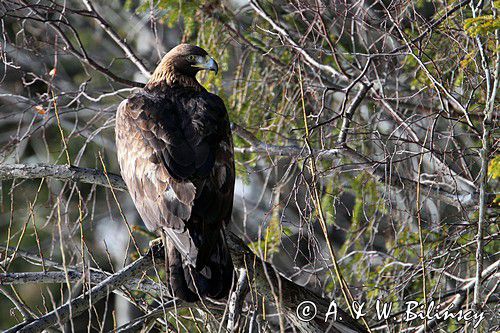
[
  {"x": 266, "y": 279},
  {"x": 93, "y": 176}
]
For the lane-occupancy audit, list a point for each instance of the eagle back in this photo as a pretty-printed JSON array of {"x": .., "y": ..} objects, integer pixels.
[{"x": 184, "y": 126}]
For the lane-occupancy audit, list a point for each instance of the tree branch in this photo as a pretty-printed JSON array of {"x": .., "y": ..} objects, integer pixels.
[
  {"x": 324, "y": 68},
  {"x": 350, "y": 112},
  {"x": 465, "y": 184},
  {"x": 62, "y": 172},
  {"x": 375, "y": 168},
  {"x": 236, "y": 300},
  {"x": 94, "y": 176},
  {"x": 81, "y": 55},
  {"x": 80, "y": 304},
  {"x": 138, "y": 324},
  {"x": 266, "y": 279},
  {"x": 20, "y": 306}
]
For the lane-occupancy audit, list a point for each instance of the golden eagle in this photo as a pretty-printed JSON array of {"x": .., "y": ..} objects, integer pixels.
[{"x": 176, "y": 156}]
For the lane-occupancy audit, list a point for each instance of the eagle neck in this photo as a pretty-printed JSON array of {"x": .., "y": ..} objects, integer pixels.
[{"x": 166, "y": 75}]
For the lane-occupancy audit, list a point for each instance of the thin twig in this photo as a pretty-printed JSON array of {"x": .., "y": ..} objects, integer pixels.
[
  {"x": 324, "y": 68},
  {"x": 20, "y": 306}
]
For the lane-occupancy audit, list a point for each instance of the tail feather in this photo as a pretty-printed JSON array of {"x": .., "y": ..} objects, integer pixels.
[{"x": 213, "y": 279}]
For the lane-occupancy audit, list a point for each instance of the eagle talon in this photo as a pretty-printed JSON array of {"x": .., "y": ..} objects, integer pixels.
[
  {"x": 155, "y": 242},
  {"x": 156, "y": 248}
]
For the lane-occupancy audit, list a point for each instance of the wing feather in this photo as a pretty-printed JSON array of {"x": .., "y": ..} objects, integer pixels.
[{"x": 175, "y": 154}]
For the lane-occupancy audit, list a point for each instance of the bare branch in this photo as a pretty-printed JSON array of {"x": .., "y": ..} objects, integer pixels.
[
  {"x": 324, "y": 68},
  {"x": 62, "y": 172},
  {"x": 266, "y": 278},
  {"x": 20, "y": 306},
  {"x": 74, "y": 276},
  {"x": 82, "y": 55},
  {"x": 377, "y": 169},
  {"x": 146, "y": 320},
  {"x": 350, "y": 112}
]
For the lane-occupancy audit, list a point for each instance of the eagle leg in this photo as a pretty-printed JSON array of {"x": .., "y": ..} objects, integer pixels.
[{"x": 163, "y": 239}]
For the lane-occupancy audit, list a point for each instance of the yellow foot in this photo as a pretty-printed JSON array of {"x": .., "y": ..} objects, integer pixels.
[
  {"x": 155, "y": 242},
  {"x": 156, "y": 248}
]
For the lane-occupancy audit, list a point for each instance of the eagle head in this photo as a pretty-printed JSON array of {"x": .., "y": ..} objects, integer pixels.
[{"x": 180, "y": 65}]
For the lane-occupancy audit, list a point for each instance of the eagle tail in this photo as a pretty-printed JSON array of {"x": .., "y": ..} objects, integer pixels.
[{"x": 214, "y": 279}]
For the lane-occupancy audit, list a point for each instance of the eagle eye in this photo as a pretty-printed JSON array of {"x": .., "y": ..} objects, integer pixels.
[{"x": 191, "y": 57}]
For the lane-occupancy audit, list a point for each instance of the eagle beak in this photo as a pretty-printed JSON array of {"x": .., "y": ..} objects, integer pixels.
[{"x": 209, "y": 65}]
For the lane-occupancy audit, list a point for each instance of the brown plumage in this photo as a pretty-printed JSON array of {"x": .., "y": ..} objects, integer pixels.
[{"x": 176, "y": 156}]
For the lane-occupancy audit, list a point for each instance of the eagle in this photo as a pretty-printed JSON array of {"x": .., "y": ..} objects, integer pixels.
[{"x": 175, "y": 152}]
